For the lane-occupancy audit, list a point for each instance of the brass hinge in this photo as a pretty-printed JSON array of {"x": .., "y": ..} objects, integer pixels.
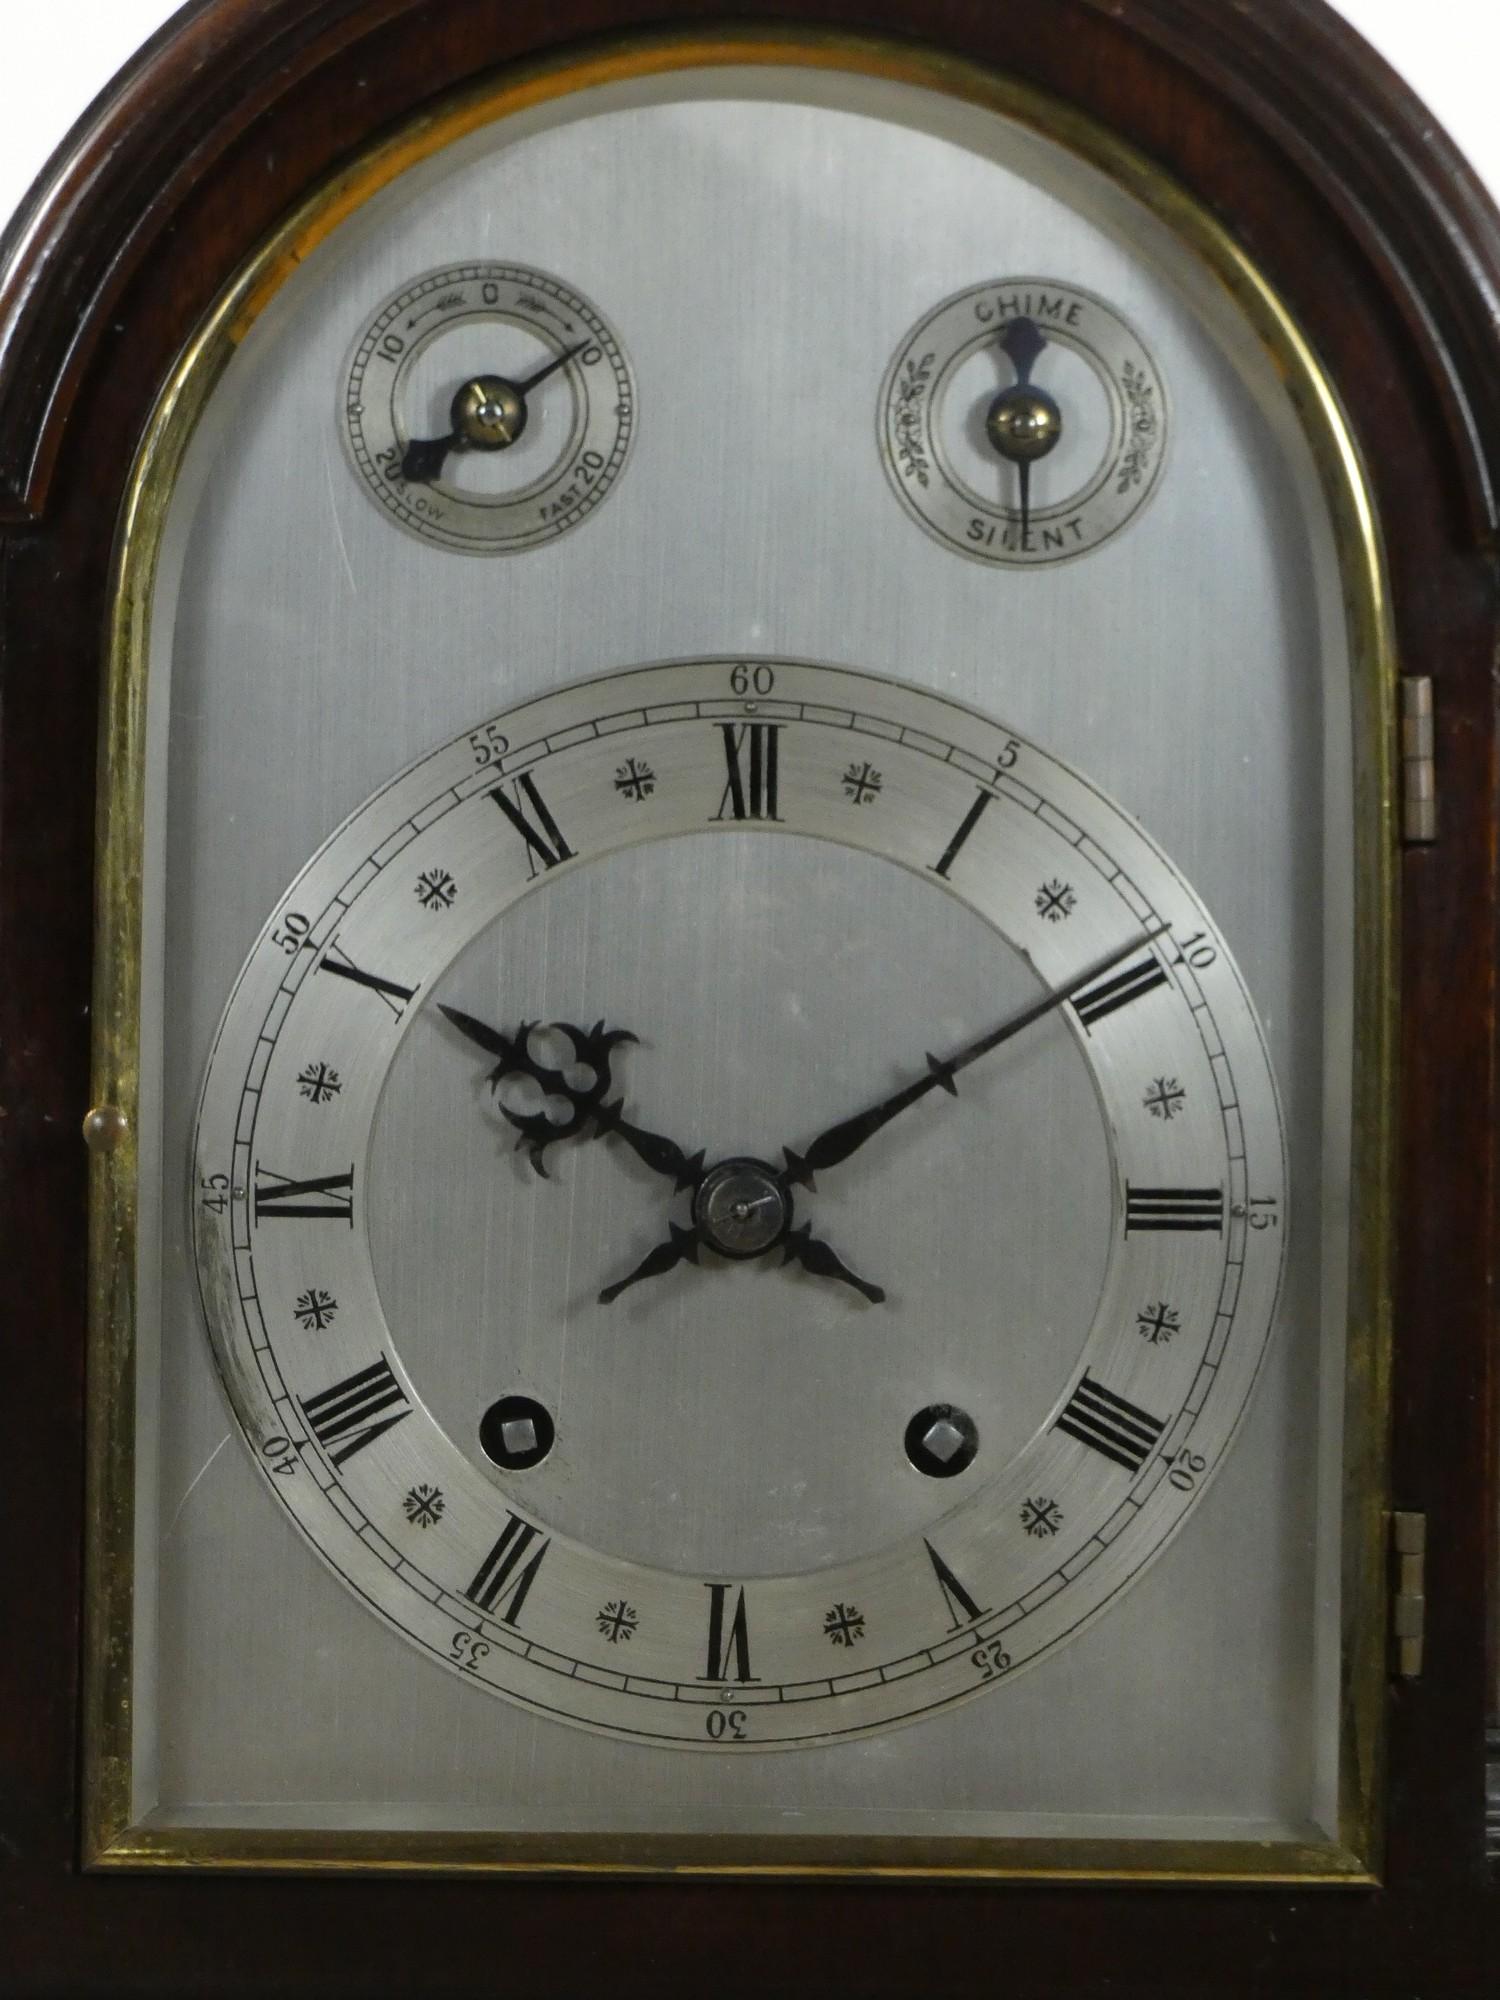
[
  {"x": 1419, "y": 822},
  {"x": 1408, "y": 1596}
]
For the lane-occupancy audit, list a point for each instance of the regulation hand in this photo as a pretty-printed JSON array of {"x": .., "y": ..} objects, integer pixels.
[{"x": 488, "y": 414}]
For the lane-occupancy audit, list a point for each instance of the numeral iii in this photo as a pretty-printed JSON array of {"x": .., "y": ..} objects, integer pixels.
[{"x": 1173, "y": 1208}]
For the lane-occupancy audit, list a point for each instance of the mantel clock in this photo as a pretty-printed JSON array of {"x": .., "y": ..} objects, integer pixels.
[{"x": 778, "y": 973}]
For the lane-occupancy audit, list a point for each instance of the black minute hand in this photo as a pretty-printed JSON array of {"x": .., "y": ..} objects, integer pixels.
[{"x": 839, "y": 1142}]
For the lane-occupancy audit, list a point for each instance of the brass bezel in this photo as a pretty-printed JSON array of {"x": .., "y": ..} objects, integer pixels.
[{"x": 110, "y": 1839}]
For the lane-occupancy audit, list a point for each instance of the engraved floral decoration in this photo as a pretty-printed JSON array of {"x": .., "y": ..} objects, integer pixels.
[
  {"x": 617, "y": 1620},
  {"x": 843, "y": 1624},
  {"x": 862, "y": 782},
  {"x": 1142, "y": 426},
  {"x": 319, "y": 1084},
  {"x": 1041, "y": 1517},
  {"x": 425, "y": 1506},
  {"x": 911, "y": 392},
  {"x": 436, "y": 890},
  {"x": 1158, "y": 1323},
  {"x": 635, "y": 779},
  {"x": 1165, "y": 1098}
]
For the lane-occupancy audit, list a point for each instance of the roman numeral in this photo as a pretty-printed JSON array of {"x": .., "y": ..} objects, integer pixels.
[
  {"x": 1106, "y": 1423},
  {"x": 508, "y": 1572},
  {"x": 1173, "y": 1208},
  {"x": 328, "y": 1198},
  {"x": 337, "y": 960},
  {"x": 1118, "y": 989},
  {"x": 540, "y": 831},
  {"x": 351, "y": 1414},
  {"x": 726, "y": 1636},
  {"x": 962, "y": 1610},
  {"x": 750, "y": 754},
  {"x": 967, "y": 825}
]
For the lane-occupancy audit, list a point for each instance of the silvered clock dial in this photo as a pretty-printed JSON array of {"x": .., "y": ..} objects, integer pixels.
[
  {"x": 464, "y": 1484},
  {"x": 749, "y": 1130}
]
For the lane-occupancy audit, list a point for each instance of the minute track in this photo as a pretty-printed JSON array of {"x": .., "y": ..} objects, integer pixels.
[{"x": 908, "y": 1662}]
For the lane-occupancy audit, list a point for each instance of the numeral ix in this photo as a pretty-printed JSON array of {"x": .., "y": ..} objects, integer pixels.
[{"x": 326, "y": 1198}]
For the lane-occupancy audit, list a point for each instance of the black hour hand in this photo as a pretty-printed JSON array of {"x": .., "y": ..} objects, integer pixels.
[
  {"x": 663, "y": 1156},
  {"x": 574, "y": 1092}
]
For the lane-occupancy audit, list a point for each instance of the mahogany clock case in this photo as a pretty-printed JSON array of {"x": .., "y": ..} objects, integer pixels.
[{"x": 1330, "y": 176}]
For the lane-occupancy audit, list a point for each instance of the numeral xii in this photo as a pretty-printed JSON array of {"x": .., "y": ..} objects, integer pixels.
[{"x": 750, "y": 755}]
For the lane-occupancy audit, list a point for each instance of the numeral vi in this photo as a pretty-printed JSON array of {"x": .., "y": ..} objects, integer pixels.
[{"x": 728, "y": 1635}]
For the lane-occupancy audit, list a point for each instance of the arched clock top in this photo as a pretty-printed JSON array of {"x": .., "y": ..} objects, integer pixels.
[{"x": 1281, "y": 118}]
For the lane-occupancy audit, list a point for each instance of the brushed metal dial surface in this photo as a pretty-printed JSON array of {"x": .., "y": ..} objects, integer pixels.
[
  {"x": 1102, "y": 1425},
  {"x": 305, "y": 652}
]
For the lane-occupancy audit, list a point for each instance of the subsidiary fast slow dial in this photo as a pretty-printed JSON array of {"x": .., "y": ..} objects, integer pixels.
[{"x": 488, "y": 407}]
